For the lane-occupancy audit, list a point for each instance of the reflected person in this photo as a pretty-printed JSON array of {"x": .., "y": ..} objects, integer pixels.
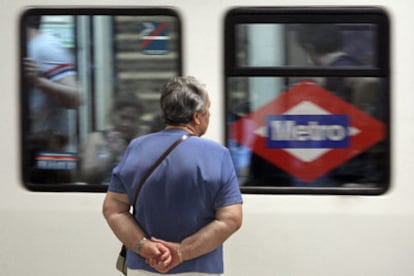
[
  {"x": 324, "y": 45},
  {"x": 54, "y": 93},
  {"x": 52, "y": 99},
  {"x": 104, "y": 149}
]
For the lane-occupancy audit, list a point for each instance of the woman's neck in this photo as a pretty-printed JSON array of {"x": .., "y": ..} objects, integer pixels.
[{"x": 192, "y": 130}]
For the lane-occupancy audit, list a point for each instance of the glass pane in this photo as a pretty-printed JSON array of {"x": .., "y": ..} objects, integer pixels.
[
  {"x": 327, "y": 45},
  {"x": 90, "y": 84},
  {"x": 304, "y": 132}
]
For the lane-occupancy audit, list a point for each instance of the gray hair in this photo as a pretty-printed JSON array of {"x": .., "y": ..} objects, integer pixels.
[{"x": 181, "y": 97}]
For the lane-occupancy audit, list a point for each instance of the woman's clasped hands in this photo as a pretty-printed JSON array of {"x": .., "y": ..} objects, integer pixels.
[{"x": 161, "y": 255}]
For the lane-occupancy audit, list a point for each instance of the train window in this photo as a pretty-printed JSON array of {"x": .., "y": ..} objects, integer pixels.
[
  {"x": 307, "y": 99},
  {"x": 90, "y": 82}
]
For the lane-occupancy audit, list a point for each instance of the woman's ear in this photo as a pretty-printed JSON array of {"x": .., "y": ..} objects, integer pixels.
[{"x": 196, "y": 118}]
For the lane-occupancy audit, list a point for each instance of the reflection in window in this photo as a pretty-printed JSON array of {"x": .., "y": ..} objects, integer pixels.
[
  {"x": 340, "y": 45},
  {"x": 305, "y": 122},
  {"x": 307, "y": 104},
  {"x": 90, "y": 84}
]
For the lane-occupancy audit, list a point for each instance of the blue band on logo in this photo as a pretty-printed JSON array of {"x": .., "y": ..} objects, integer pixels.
[{"x": 307, "y": 131}]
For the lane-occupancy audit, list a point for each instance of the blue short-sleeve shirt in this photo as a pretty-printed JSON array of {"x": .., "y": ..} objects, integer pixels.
[{"x": 182, "y": 194}]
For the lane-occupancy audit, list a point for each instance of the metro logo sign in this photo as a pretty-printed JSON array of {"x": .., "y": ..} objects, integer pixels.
[
  {"x": 308, "y": 131},
  {"x": 154, "y": 38}
]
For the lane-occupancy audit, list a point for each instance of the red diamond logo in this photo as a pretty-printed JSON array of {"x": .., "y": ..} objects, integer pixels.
[{"x": 309, "y": 162}]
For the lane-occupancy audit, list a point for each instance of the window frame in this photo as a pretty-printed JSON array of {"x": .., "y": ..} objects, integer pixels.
[
  {"x": 24, "y": 109},
  {"x": 301, "y": 15}
]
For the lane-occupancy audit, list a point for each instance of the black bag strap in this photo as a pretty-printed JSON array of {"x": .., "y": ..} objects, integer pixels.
[{"x": 154, "y": 166}]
